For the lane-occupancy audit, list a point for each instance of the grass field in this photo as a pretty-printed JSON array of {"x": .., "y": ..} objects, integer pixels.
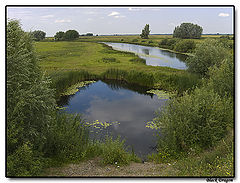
[{"x": 59, "y": 58}]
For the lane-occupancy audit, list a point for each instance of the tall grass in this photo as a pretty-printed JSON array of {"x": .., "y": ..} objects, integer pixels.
[
  {"x": 132, "y": 76},
  {"x": 68, "y": 138},
  {"x": 64, "y": 80},
  {"x": 178, "y": 82}
]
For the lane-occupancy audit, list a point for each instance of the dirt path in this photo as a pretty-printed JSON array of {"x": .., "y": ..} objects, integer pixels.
[{"x": 93, "y": 168}]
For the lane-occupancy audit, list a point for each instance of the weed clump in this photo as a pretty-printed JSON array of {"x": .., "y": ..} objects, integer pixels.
[
  {"x": 110, "y": 60},
  {"x": 138, "y": 60}
]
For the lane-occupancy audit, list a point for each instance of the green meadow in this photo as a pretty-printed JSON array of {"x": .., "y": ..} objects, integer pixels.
[{"x": 59, "y": 59}]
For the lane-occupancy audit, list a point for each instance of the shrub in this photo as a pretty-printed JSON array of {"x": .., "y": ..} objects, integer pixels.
[
  {"x": 149, "y": 42},
  {"x": 24, "y": 162},
  {"x": 135, "y": 40},
  {"x": 195, "y": 121},
  {"x": 67, "y": 137},
  {"x": 163, "y": 42},
  {"x": 110, "y": 60},
  {"x": 206, "y": 54},
  {"x": 221, "y": 79},
  {"x": 114, "y": 152},
  {"x": 185, "y": 46},
  {"x": 168, "y": 43}
]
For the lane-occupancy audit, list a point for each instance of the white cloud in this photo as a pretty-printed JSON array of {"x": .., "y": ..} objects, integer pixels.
[
  {"x": 89, "y": 19},
  {"x": 114, "y": 13},
  {"x": 63, "y": 21},
  {"x": 47, "y": 16},
  {"x": 223, "y": 14},
  {"x": 119, "y": 16}
]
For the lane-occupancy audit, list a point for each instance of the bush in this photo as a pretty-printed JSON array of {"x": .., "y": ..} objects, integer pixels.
[
  {"x": 135, "y": 40},
  {"x": 149, "y": 42},
  {"x": 206, "y": 54},
  {"x": 67, "y": 138},
  {"x": 195, "y": 121},
  {"x": 110, "y": 60},
  {"x": 185, "y": 46},
  {"x": 221, "y": 79},
  {"x": 24, "y": 162},
  {"x": 114, "y": 152},
  {"x": 163, "y": 42},
  {"x": 168, "y": 43}
]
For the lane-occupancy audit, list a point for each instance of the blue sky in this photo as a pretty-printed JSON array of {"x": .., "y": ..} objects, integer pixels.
[{"x": 121, "y": 20}]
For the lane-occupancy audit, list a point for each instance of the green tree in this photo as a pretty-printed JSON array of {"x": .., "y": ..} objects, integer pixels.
[
  {"x": 71, "y": 35},
  {"x": 89, "y": 34},
  {"x": 38, "y": 35},
  {"x": 145, "y": 32},
  {"x": 59, "y": 36},
  {"x": 30, "y": 101},
  {"x": 188, "y": 31},
  {"x": 208, "y": 53}
]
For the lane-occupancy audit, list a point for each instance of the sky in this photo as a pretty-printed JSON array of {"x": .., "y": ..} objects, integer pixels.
[{"x": 122, "y": 20}]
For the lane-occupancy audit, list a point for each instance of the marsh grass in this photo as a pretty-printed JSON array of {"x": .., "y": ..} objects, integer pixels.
[
  {"x": 137, "y": 77},
  {"x": 138, "y": 60},
  {"x": 109, "y": 60},
  {"x": 64, "y": 80}
]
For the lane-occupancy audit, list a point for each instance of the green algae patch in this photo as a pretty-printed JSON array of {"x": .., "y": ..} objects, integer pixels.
[
  {"x": 74, "y": 88},
  {"x": 101, "y": 124},
  {"x": 160, "y": 94},
  {"x": 152, "y": 125}
]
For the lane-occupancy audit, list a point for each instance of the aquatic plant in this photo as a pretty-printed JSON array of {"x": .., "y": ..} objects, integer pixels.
[
  {"x": 101, "y": 124},
  {"x": 74, "y": 88},
  {"x": 160, "y": 94}
]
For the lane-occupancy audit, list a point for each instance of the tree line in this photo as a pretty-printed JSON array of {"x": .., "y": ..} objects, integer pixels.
[{"x": 184, "y": 31}]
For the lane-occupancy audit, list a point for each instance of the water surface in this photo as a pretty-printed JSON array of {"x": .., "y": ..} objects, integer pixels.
[
  {"x": 129, "y": 105},
  {"x": 154, "y": 56}
]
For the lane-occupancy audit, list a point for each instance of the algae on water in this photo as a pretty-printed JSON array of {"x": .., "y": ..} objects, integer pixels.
[
  {"x": 74, "y": 88},
  {"x": 101, "y": 124},
  {"x": 160, "y": 93}
]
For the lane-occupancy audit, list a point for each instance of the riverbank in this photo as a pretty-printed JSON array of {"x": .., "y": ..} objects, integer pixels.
[
  {"x": 93, "y": 168},
  {"x": 71, "y": 62}
]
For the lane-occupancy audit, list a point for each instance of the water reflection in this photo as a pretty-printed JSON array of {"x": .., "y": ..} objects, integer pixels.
[
  {"x": 153, "y": 55},
  {"x": 106, "y": 101}
]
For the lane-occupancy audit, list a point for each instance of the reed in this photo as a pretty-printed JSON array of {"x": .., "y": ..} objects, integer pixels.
[{"x": 64, "y": 80}]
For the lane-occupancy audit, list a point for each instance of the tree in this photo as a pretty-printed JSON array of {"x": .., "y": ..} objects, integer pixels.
[
  {"x": 59, "y": 36},
  {"x": 145, "y": 32},
  {"x": 188, "y": 31},
  {"x": 89, "y": 34},
  {"x": 38, "y": 35},
  {"x": 30, "y": 102},
  {"x": 71, "y": 35}
]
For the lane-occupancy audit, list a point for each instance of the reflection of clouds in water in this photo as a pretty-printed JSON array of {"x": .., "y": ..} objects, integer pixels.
[
  {"x": 153, "y": 56},
  {"x": 132, "y": 112}
]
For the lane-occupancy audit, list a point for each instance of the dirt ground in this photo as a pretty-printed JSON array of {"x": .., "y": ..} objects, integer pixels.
[{"x": 93, "y": 168}]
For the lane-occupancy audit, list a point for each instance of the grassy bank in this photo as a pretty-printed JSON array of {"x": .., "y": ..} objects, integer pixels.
[{"x": 70, "y": 62}]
